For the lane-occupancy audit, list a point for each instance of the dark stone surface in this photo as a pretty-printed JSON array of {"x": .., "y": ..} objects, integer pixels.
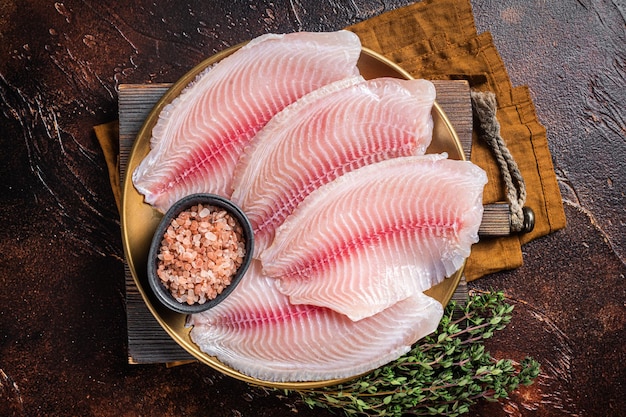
[
  {"x": 62, "y": 346},
  {"x": 569, "y": 314}
]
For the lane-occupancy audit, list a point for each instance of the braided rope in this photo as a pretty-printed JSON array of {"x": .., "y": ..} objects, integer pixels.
[{"x": 485, "y": 106}]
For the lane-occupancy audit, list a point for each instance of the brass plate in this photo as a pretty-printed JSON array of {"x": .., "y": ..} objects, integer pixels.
[{"x": 139, "y": 220}]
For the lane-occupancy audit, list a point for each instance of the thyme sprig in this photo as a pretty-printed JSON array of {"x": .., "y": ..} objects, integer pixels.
[{"x": 443, "y": 374}]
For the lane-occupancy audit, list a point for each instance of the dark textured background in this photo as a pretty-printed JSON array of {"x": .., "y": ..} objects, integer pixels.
[{"x": 62, "y": 320}]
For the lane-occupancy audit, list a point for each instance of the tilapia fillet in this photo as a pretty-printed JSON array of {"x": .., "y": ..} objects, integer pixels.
[
  {"x": 258, "y": 332},
  {"x": 200, "y": 135},
  {"x": 327, "y": 133},
  {"x": 379, "y": 234}
]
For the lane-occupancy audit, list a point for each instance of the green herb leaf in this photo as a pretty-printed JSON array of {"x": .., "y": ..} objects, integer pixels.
[{"x": 444, "y": 374}]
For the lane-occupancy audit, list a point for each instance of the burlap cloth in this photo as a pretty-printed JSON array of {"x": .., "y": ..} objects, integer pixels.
[{"x": 437, "y": 39}]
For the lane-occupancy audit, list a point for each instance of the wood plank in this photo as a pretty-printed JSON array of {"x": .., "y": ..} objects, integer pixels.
[
  {"x": 454, "y": 99},
  {"x": 135, "y": 101},
  {"x": 147, "y": 341},
  {"x": 496, "y": 220}
]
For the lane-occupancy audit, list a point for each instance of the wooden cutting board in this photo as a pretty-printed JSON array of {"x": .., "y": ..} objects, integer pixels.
[{"x": 147, "y": 341}]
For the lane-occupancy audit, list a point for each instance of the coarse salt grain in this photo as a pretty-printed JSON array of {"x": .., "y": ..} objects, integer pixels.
[{"x": 198, "y": 257}]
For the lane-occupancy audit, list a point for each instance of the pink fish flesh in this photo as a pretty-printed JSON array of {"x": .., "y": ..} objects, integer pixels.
[
  {"x": 379, "y": 234},
  {"x": 333, "y": 130},
  {"x": 200, "y": 135},
  {"x": 259, "y": 333}
]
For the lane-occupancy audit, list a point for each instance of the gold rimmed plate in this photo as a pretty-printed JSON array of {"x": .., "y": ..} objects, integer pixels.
[{"x": 139, "y": 220}]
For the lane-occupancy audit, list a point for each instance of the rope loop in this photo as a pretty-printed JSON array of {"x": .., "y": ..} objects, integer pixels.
[{"x": 485, "y": 107}]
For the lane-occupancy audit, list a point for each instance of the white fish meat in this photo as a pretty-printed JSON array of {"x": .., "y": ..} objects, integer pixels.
[
  {"x": 379, "y": 234},
  {"x": 257, "y": 331},
  {"x": 200, "y": 135},
  {"x": 333, "y": 130}
]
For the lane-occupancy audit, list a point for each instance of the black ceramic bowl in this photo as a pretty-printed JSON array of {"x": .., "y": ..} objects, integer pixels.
[{"x": 159, "y": 289}]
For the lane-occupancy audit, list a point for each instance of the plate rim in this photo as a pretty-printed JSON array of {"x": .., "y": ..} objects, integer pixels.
[{"x": 127, "y": 186}]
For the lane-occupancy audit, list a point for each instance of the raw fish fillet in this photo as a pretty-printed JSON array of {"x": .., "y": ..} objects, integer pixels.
[
  {"x": 198, "y": 138},
  {"x": 331, "y": 131},
  {"x": 379, "y": 234},
  {"x": 259, "y": 333}
]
